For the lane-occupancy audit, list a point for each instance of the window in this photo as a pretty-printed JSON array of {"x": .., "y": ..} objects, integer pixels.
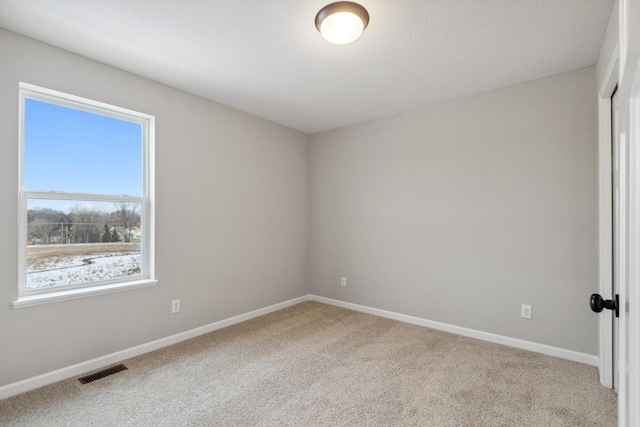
[{"x": 86, "y": 197}]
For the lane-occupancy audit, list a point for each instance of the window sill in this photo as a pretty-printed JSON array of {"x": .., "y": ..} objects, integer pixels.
[{"x": 31, "y": 300}]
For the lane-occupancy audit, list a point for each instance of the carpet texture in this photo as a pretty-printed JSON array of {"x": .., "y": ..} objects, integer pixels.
[{"x": 318, "y": 365}]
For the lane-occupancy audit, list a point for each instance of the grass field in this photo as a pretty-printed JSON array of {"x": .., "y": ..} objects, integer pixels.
[
  {"x": 62, "y": 265},
  {"x": 44, "y": 256}
]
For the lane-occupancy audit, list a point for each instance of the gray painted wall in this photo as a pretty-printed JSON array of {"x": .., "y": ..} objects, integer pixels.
[
  {"x": 461, "y": 212},
  {"x": 231, "y": 216},
  {"x": 456, "y": 213},
  {"x": 609, "y": 42}
]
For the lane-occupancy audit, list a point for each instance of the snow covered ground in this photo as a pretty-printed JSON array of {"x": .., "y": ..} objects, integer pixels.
[{"x": 73, "y": 270}]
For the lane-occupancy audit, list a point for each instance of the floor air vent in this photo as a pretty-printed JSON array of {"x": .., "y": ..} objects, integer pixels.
[{"x": 101, "y": 374}]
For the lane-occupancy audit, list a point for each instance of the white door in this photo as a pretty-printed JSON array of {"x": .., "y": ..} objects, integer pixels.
[{"x": 615, "y": 191}]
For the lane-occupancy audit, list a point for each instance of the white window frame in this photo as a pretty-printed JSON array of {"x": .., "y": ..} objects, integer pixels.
[{"x": 29, "y": 297}]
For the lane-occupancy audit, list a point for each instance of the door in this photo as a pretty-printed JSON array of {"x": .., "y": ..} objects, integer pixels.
[
  {"x": 615, "y": 256},
  {"x": 610, "y": 237}
]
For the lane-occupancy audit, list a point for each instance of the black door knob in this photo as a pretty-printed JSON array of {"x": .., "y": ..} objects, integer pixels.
[{"x": 598, "y": 304}]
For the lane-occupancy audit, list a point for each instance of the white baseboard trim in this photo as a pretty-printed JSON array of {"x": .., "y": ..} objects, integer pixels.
[
  {"x": 100, "y": 362},
  {"x": 575, "y": 356}
]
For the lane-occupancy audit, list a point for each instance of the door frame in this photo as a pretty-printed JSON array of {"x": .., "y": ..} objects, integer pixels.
[
  {"x": 632, "y": 357},
  {"x": 629, "y": 129},
  {"x": 626, "y": 54},
  {"x": 605, "y": 218}
]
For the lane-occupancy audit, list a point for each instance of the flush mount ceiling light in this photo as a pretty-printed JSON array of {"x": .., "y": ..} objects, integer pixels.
[{"x": 342, "y": 22}]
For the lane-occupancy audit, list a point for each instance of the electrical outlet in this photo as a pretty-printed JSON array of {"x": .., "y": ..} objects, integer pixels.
[
  {"x": 175, "y": 306},
  {"x": 343, "y": 281},
  {"x": 525, "y": 311}
]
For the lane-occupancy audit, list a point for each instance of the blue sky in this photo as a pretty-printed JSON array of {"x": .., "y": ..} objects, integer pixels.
[{"x": 73, "y": 150}]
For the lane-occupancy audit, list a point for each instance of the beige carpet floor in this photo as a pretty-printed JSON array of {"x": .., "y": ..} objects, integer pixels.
[{"x": 318, "y": 365}]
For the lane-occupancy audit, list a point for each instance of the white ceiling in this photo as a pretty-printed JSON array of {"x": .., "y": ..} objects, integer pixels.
[{"x": 266, "y": 57}]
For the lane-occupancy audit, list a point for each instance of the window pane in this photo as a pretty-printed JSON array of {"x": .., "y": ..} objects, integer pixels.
[
  {"x": 71, "y": 242},
  {"x": 76, "y": 151}
]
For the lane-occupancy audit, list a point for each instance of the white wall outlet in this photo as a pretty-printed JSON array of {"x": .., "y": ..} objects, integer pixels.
[
  {"x": 525, "y": 311},
  {"x": 175, "y": 306},
  {"x": 343, "y": 281}
]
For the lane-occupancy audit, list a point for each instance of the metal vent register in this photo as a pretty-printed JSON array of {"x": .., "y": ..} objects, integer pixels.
[{"x": 101, "y": 374}]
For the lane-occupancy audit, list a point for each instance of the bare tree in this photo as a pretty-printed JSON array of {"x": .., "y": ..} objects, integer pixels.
[
  {"x": 129, "y": 217},
  {"x": 43, "y": 223},
  {"x": 85, "y": 224},
  {"x": 40, "y": 229}
]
